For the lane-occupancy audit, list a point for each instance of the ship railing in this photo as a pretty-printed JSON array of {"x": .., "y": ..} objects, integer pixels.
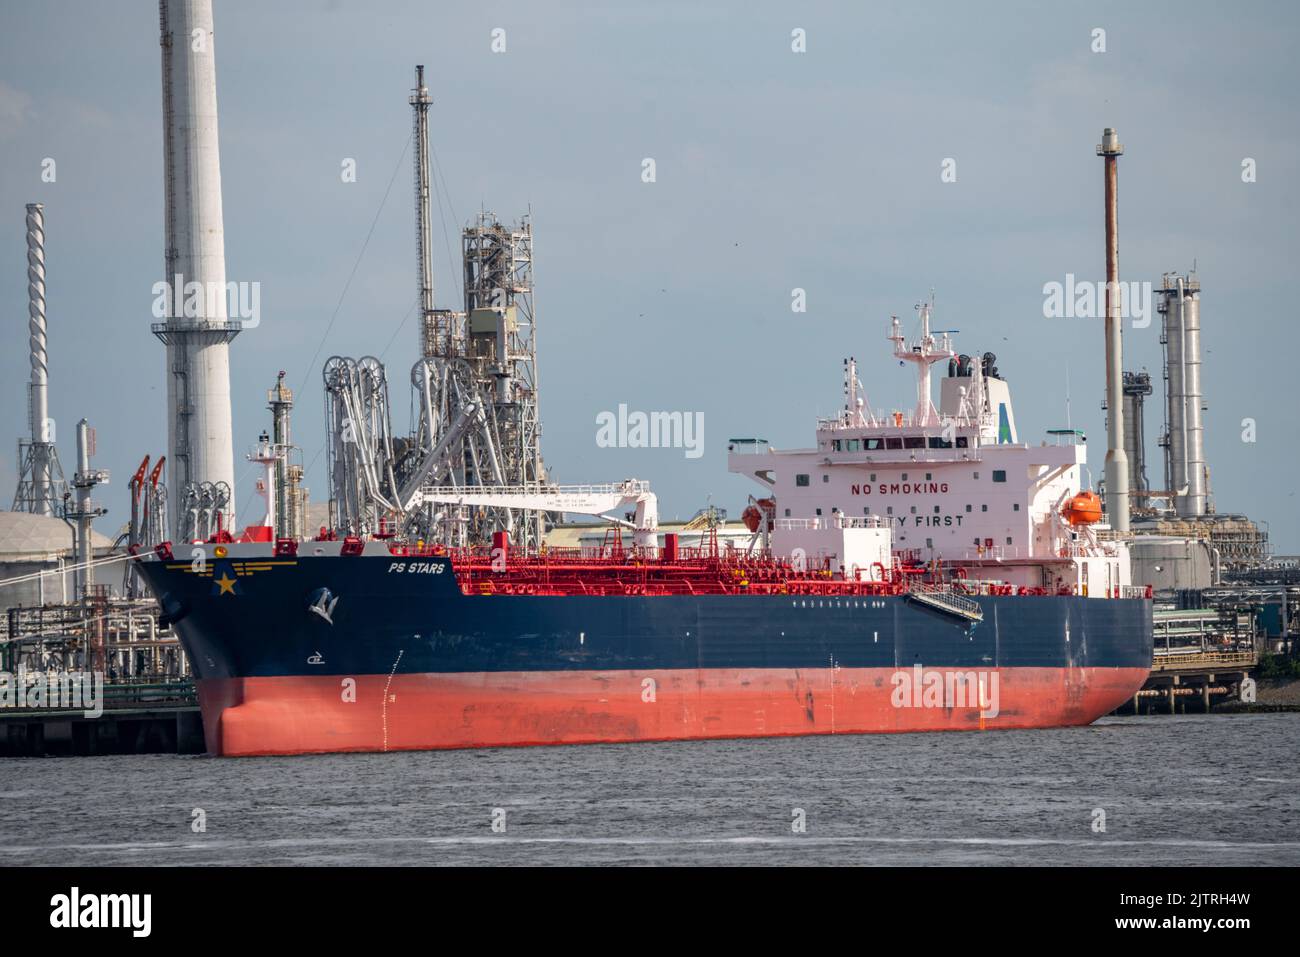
[
  {"x": 1068, "y": 436},
  {"x": 1086, "y": 550},
  {"x": 630, "y": 487},
  {"x": 838, "y": 520},
  {"x": 1212, "y": 659},
  {"x": 887, "y": 456},
  {"x": 1077, "y": 550},
  {"x": 880, "y": 419},
  {"x": 858, "y": 521},
  {"x": 1132, "y": 591},
  {"x": 994, "y": 552}
]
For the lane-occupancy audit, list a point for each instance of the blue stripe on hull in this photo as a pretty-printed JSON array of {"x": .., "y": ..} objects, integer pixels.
[{"x": 422, "y": 623}]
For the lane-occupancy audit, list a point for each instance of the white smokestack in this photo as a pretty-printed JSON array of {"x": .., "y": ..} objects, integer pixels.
[
  {"x": 199, "y": 439},
  {"x": 41, "y": 478}
]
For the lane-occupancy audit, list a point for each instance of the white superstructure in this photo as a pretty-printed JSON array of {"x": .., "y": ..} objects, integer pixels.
[{"x": 954, "y": 485}]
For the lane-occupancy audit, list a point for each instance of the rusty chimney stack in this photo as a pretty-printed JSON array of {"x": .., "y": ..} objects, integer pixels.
[{"x": 1117, "y": 497}]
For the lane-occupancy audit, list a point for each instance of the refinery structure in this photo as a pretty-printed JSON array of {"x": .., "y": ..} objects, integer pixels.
[
  {"x": 469, "y": 470},
  {"x": 474, "y": 388}
]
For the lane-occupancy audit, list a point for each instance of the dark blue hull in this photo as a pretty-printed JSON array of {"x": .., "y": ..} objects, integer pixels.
[{"x": 299, "y": 630}]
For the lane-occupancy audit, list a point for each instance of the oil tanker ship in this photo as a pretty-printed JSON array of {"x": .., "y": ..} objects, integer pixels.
[{"x": 916, "y": 570}]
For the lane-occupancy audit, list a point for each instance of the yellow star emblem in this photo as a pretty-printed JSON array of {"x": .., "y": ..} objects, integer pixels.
[{"x": 226, "y": 583}]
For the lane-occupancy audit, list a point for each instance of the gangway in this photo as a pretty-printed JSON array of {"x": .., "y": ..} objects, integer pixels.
[{"x": 946, "y": 601}]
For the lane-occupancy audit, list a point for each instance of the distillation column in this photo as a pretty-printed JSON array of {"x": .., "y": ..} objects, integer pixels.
[
  {"x": 1180, "y": 307},
  {"x": 1137, "y": 386}
]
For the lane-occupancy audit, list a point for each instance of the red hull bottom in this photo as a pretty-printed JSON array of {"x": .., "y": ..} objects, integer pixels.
[{"x": 312, "y": 714}]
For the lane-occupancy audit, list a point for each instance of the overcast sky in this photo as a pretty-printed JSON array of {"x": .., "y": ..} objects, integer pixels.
[{"x": 775, "y": 170}]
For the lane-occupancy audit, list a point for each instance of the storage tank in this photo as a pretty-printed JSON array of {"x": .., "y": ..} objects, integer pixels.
[{"x": 1167, "y": 563}]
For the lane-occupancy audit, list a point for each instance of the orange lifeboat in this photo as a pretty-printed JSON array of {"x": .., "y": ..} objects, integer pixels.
[
  {"x": 753, "y": 515},
  {"x": 1083, "y": 509}
]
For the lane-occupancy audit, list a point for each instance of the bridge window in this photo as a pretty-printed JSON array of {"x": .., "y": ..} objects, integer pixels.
[
  {"x": 893, "y": 443},
  {"x": 872, "y": 445},
  {"x": 801, "y": 480},
  {"x": 835, "y": 445},
  {"x": 914, "y": 441},
  {"x": 939, "y": 443},
  {"x": 963, "y": 442},
  {"x": 855, "y": 445},
  {"x": 999, "y": 475}
]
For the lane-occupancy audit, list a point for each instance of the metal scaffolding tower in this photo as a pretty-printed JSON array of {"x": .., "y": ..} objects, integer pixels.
[
  {"x": 476, "y": 383},
  {"x": 474, "y": 389},
  {"x": 1137, "y": 386},
  {"x": 291, "y": 498}
]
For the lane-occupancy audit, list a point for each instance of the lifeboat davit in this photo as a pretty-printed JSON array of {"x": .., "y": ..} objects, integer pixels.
[{"x": 1083, "y": 509}]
